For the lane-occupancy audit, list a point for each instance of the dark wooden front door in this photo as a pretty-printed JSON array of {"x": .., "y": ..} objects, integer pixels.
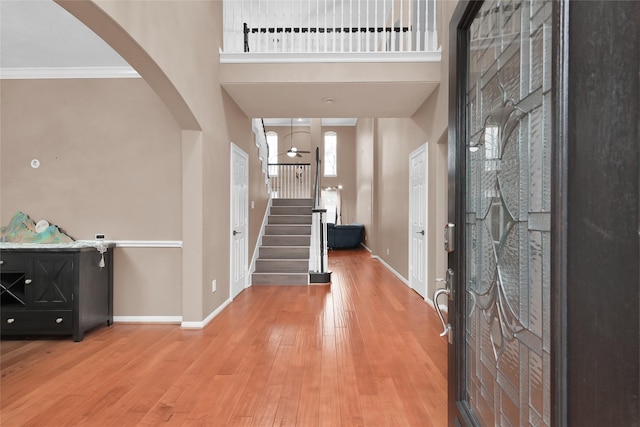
[{"x": 543, "y": 192}]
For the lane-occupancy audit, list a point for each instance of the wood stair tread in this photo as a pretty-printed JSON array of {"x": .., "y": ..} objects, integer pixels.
[{"x": 284, "y": 252}]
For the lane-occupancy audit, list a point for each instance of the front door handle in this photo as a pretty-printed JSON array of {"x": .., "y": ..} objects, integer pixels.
[
  {"x": 236, "y": 232},
  {"x": 420, "y": 232},
  {"x": 448, "y": 330}
]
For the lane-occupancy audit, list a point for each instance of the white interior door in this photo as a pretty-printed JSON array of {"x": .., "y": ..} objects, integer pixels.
[
  {"x": 239, "y": 217},
  {"x": 418, "y": 220}
]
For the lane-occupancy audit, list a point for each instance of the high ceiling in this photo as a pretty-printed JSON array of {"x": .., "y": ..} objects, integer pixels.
[
  {"x": 41, "y": 34},
  {"x": 39, "y": 39}
]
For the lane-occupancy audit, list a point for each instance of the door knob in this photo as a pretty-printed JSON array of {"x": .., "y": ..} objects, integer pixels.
[
  {"x": 420, "y": 232},
  {"x": 236, "y": 232},
  {"x": 28, "y": 281}
]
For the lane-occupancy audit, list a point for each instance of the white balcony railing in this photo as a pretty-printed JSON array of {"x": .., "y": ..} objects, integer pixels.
[
  {"x": 290, "y": 180},
  {"x": 320, "y": 26}
]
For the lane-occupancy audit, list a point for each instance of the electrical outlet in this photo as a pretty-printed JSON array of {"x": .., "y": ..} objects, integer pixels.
[
  {"x": 99, "y": 236},
  {"x": 387, "y": 251},
  {"x": 214, "y": 285}
]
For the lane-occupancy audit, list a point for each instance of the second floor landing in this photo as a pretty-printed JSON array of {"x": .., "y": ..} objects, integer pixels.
[
  {"x": 330, "y": 58},
  {"x": 392, "y": 84}
]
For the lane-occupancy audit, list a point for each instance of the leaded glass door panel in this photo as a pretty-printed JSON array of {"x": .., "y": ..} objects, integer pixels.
[{"x": 503, "y": 197}]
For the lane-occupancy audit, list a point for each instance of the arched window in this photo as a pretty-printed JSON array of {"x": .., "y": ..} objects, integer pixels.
[
  {"x": 330, "y": 154},
  {"x": 272, "y": 143}
]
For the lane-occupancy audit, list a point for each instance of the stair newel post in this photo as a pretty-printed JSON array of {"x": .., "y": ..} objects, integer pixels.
[
  {"x": 322, "y": 233},
  {"x": 319, "y": 272},
  {"x": 321, "y": 241}
]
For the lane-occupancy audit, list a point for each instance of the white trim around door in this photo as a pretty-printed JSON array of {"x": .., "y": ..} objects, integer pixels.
[
  {"x": 239, "y": 205},
  {"x": 418, "y": 220}
]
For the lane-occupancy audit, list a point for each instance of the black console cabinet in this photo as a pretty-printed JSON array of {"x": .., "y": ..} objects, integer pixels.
[{"x": 55, "y": 291}]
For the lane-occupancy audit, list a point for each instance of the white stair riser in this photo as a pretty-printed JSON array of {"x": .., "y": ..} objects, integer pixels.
[{"x": 283, "y": 258}]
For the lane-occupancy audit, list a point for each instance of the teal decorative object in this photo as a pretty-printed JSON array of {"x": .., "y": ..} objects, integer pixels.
[{"x": 22, "y": 229}]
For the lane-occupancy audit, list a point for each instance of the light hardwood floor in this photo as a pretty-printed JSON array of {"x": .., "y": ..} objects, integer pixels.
[{"x": 364, "y": 351}]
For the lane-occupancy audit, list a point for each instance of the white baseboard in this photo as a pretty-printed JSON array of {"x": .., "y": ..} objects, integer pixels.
[
  {"x": 443, "y": 307},
  {"x": 265, "y": 219},
  {"x": 173, "y": 320},
  {"x": 398, "y": 275},
  {"x": 366, "y": 247},
  {"x": 148, "y": 319},
  {"x": 209, "y": 318}
]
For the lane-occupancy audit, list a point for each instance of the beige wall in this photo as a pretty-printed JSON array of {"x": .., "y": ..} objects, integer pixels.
[
  {"x": 301, "y": 140},
  {"x": 364, "y": 179},
  {"x": 346, "y": 136},
  {"x": 180, "y": 64},
  {"x": 186, "y": 52},
  {"x": 109, "y": 153},
  {"x": 433, "y": 118},
  {"x": 383, "y": 148},
  {"x": 241, "y": 134},
  {"x": 110, "y": 163},
  {"x": 395, "y": 140},
  {"x": 147, "y": 282},
  {"x": 307, "y": 138}
]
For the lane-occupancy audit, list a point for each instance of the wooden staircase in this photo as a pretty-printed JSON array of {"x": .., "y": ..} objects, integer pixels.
[{"x": 283, "y": 257}]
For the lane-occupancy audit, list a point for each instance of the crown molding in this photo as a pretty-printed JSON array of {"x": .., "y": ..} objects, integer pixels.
[{"x": 69, "y": 73}]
